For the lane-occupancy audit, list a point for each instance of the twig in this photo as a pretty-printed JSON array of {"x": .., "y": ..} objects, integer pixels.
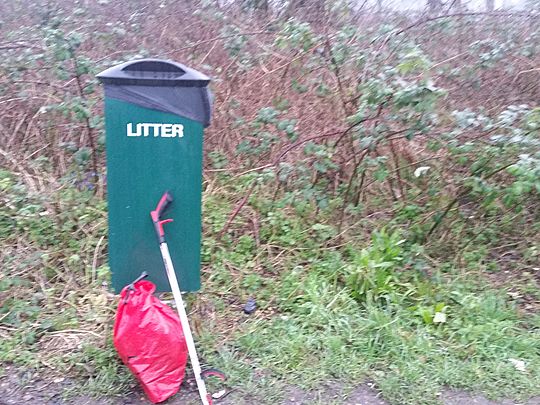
[
  {"x": 465, "y": 14},
  {"x": 89, "y": 130},
  {"x": 208, "y": 53},
  {"x": 220, "y": 38},
  {"x": 84, "y": 332},
  {"x": 94, "y": 260},
  {"x": 236, "y": 210},
  {"x": 526, "y": 71},
  {"x": 462, "y": 193}
]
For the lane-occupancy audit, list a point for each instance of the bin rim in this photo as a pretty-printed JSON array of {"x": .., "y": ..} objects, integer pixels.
[{"x": 153, "y": 72}]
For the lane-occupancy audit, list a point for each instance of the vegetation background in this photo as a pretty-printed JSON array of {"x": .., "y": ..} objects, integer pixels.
[{"x": 371, "y": 178}]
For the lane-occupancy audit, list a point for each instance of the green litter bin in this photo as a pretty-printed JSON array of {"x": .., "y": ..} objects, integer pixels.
[{"x": 155, "y": 114}]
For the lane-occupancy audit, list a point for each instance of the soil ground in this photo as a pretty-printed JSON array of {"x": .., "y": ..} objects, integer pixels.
[{"x": 26, "y": 387}]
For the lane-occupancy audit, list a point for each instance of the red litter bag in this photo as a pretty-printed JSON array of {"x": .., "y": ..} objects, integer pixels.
[{"x": 149, "y": 339}]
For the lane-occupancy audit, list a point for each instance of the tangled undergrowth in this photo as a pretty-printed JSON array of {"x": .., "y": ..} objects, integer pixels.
[{"x": 376, "y": 192}]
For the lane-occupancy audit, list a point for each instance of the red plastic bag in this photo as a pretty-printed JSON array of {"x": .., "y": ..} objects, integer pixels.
[{"x": 149, "y": 339}]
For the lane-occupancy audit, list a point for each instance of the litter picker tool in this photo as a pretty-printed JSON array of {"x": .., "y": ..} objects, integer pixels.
[{"x": 156, "y": 214}]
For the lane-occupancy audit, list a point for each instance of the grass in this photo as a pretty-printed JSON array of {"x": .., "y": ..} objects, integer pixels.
[
  {"x": 372, "y": 311},
  {"x": 364, "y": 311},
  {"x": 334, "y": 338},
  {"x": 359, "y": 310}
]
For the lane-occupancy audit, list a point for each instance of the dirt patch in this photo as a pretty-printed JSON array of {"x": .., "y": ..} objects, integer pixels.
[
  {"x": 453, "y": 397},
  {"x": 28, "y": 387},
  {"x": 334, "y": 394}
]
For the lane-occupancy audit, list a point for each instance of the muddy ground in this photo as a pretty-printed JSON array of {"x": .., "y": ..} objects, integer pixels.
[{"x": 26, "y": 387}]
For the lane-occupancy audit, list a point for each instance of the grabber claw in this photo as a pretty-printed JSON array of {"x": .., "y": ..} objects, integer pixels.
[{"x": 214, "y": 372}]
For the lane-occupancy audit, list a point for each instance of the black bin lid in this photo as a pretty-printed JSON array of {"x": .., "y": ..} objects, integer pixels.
[{"x": 153, "y": 72}]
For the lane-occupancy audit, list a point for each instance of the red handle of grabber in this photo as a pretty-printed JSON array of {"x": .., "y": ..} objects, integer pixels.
[{"x": 164, "y": 201}]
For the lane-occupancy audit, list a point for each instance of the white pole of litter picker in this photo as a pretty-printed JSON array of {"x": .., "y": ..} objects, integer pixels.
[
  {"x": 171, "y": 275},
  {"x": 185, "y": 322}
]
